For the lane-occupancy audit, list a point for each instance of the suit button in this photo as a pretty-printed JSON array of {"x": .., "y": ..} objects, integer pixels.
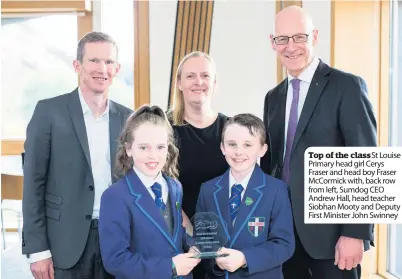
[
  {"x": 88, "y": 217},
  {"x": 91, "y": 188},
  {"x": 23, "y": 244}
]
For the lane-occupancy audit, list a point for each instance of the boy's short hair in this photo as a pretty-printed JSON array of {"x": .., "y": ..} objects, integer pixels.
[{"x": 250, "y": 121}]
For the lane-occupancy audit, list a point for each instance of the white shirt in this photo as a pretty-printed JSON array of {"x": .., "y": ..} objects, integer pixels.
[
  {"x": 99, "y": 149},
  {"x": 97, "y": 129},
  {"x": 148, "y": 182},
  {"x": 305, "y": 80},
  {"x": 244, "y": 182}
]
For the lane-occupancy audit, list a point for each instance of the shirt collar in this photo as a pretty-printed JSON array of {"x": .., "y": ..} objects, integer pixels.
[
  {"x": 244, "y": 182},
  {"x": 308, "y": 73},
  {"x": 85, "y": 107},
  {"x": 148, "y": 181}
]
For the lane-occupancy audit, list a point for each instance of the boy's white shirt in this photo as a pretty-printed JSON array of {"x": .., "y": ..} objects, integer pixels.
[
  {"x": 244, "y": 182},
  {"x": 148, "y": 182}
]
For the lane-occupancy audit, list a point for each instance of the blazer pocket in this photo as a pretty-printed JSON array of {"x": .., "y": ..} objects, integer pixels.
[
  {"x": 53, "y": 199},
  {"x": 52, "y": 213}
]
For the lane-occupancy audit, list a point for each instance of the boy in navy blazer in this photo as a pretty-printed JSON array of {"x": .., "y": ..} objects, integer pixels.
[{"x": 253, "y": 207}]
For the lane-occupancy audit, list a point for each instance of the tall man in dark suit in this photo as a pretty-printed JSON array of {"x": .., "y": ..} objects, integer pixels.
[
  {"x": 70, "y": 151},
  {"x": 316, "y": 105}
]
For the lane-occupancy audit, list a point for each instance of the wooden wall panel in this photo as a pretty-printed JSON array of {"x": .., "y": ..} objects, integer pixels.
[
  {"x": 356, "y": 49},
  {"x": 384, "y": 74},
  {"x": 84, "y": 24},
  {"x": 364, "y": 50},
  {"x": 142, "y": 86},
  {"x": 208, "y": 27},
  {"x": 197, "y": 17},
  {"x": 192, "y": 32},
  {"x": 12, "y": 147},
  {"x": 11, "y": 189},
  {"x": 15, "y": 6},
  {"x": 383, "y": 128}
]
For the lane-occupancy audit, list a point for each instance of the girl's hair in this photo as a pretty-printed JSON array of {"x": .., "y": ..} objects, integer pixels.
[
  {"x": 176, "y": 112},
  {"x": 152, "y": 115}
]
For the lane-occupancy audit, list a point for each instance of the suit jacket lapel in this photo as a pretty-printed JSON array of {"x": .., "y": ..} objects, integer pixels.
[
  {"x": 115, "y": 122},
  {"x": 77, "y": 118},
  {"x": 146, "y": 204},
  {"x": 276, "y": 111},
  {"x": 221, "y": 199},
  {"x": 317, "y": 85},
  {"x": 281, "y": 114},
  {"x": 253, "y": 193}
]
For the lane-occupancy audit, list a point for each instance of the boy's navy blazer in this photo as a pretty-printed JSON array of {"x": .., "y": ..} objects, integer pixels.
[
  {"x": 263, "y": 229},
  {"x": 134, "y": 239}
]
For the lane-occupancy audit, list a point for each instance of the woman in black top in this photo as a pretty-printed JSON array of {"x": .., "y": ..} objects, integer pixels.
[
  {"x": 200, "y": 158},
  {"x": 198, "y": 129}
]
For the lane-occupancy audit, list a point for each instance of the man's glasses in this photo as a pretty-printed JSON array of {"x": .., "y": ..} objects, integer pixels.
[{"x": 284, "y": 40}]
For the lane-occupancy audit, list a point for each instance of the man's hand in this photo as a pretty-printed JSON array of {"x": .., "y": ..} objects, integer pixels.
[
  {"x": 185, "y": 263},
  {"x": 232, "y": 262},
  {"x": 348, "y": 252},
  {"x": 43, "y": 269}
]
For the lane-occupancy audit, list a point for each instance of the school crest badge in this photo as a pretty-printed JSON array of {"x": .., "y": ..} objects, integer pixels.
[{"x": 256, "y": 225}]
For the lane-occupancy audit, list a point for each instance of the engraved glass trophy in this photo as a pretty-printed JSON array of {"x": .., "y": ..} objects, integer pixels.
[{"x": 205, "y": 235}]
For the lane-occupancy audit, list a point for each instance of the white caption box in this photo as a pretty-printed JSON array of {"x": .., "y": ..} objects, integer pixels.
[{"x": 346, "y": 185}]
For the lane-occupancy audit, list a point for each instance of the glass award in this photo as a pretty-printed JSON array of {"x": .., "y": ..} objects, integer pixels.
[{"x": 205, "y": 235}]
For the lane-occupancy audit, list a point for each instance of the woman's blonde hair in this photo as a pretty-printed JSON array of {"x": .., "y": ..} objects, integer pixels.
[
  {"x": 146, "y": 114},
  {"x": 176, "y": 112}
]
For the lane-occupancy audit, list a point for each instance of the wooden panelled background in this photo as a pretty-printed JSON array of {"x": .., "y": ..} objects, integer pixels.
[
  {"x": 364, "y": 50},
  {"x": 12, "y": 147},
  {"x": 50, "y": 6},
  {"x": 192, "y": 32},
  {"x": 142, "y": 84}
]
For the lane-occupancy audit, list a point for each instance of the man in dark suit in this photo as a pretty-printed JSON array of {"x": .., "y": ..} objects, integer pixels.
[
  {"x": 316, "y": 105},
  {"x": 70, "y": 151}
]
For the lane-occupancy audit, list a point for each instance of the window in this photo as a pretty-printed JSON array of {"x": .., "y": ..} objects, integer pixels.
[
  {"x": 37, "y": 55},
  {"x": 117, "y": 20},
  {"x": 394, "y": 263}
]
